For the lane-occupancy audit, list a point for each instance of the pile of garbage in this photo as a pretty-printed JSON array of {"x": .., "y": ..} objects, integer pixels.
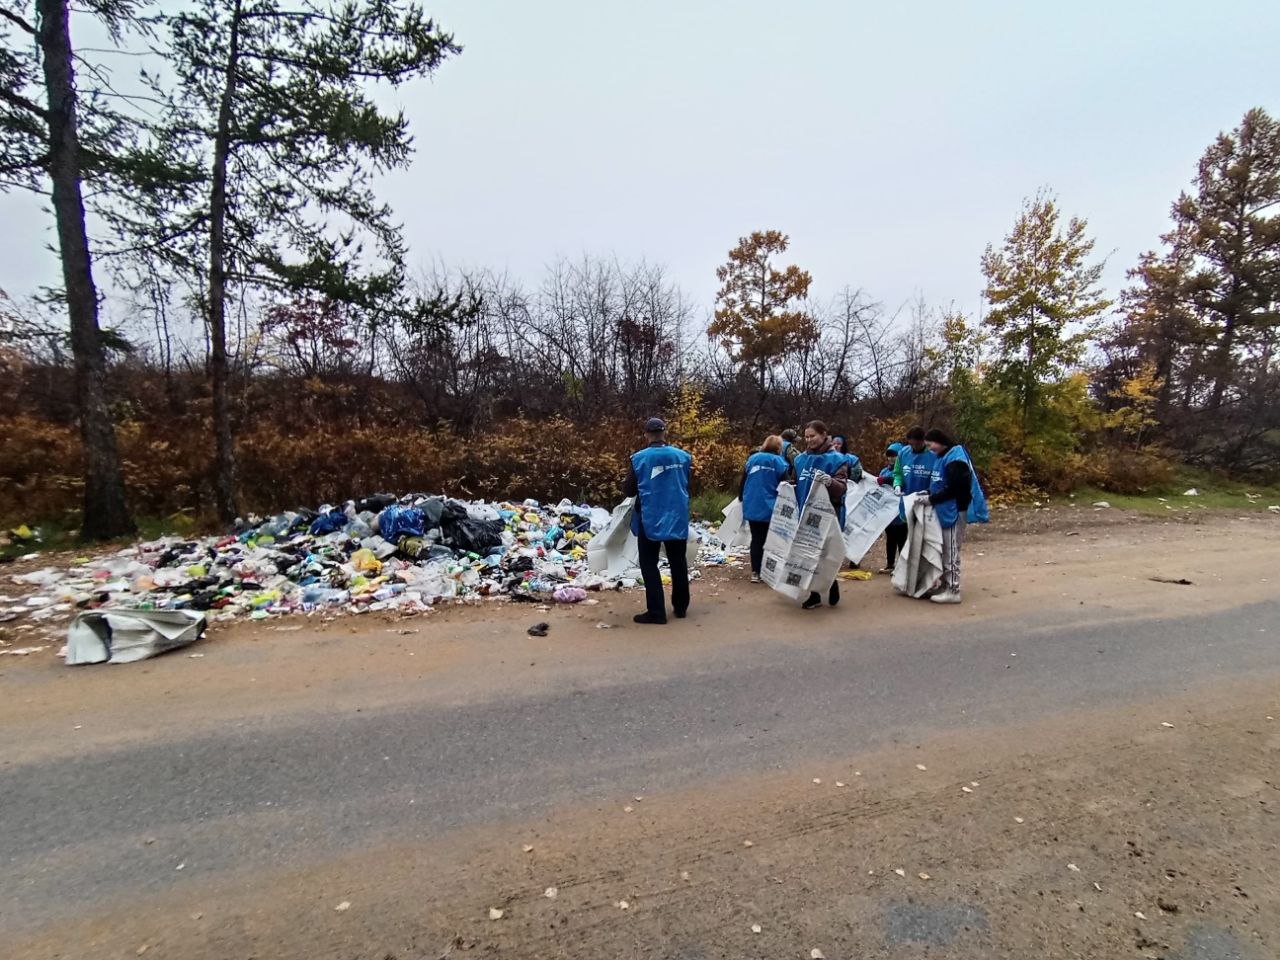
[{"x": 381, "y": 553}]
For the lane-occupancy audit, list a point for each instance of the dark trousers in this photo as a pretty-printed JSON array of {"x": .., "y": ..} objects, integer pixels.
[
  {"x": 895, "y": 538},
  {"x": 654, "y": 597},
  {"x": 759, "y": 533}
]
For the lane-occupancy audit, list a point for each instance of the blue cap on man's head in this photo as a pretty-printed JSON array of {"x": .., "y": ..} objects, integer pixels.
[
  {"x": 655, "y": 425},
  {"x": 895, "y": 448}
]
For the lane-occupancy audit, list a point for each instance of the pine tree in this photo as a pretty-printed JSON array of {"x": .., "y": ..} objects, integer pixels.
[
  {"x": 48, "y": 142},
  {"x": 1232, "y": 222},
  {"x": 273, "y": 113}
]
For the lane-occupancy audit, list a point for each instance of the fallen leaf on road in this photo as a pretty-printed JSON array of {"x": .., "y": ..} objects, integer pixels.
[
  {"x": 755, "y": 928},
  {"x": 551, "y": 893},
  {"x": 495, "y": 913},
  {"x": 344, "y": 906},
  {"x": 900, "y": 872}
]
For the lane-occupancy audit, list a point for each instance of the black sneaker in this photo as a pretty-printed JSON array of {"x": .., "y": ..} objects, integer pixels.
[
  {"x": 648, "y": 617},
  {"x": 681, "y": 614},
  {"x": 814, "y": 601},
  {"x": 834, "y": 596}
]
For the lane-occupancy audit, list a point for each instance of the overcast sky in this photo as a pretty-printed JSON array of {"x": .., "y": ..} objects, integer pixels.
[{"x": 892, "y": 141}]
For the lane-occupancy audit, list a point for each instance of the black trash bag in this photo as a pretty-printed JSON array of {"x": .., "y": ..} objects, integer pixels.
[
  {"x": 475, "y": 536},
  {"x": 432, "y": 511},
  {"x": 376, "y": 503}
]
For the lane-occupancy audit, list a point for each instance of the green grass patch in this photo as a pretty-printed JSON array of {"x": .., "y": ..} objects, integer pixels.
[
  {"x": 710, "y": 504},
  {"x": 1214, "y": 492}
]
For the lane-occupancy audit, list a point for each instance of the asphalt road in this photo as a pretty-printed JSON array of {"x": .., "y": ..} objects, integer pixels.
[{"x": 124, "y": 822}]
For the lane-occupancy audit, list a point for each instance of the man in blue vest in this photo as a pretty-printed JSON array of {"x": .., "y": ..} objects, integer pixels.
[
  {"x": 915, "y": 465},
  {"x": 659, "y": 481}
]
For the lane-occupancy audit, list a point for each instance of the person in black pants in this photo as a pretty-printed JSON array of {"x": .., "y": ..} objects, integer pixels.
[
  {"x": 658, "y": 478},
  {"x": 895, "y": 535},
  {"x": 758, "y": 491}
]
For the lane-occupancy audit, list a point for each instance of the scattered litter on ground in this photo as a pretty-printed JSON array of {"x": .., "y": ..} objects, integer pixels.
[
  {"x": 855, "y": 575},
  {"x": 343, "y": 907},
  {"x": 539, "y": 629},
  {"x": 495, "y": 913},
  {"x": 381, "y": 553},
  {"x": 1181, "y": 581},
  {"x": 1101, "y": 504}
]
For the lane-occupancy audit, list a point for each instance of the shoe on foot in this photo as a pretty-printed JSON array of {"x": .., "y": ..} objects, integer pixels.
[
  {"x": 815, "y": 600},
  {"x": 946, "y": 596},
  {"x": 681, "y": 614},
  {"x": 886, "y": 570},
  {"x": 755, "y": 578},
  {"x": 833, "y": 597},
  {"x": 648, "y": 617}
]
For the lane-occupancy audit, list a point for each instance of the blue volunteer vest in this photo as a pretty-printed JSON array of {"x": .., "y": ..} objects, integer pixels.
[
  {"x": 948, "y": 511},
  {"x": 760, "y": 489},
  {"x": 662, "y": 477},
  {"x": 807, "y": 464},
  {"x": 917, "y": 472}
]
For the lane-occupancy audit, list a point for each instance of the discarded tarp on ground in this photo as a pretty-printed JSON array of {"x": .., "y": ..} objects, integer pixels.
[{"x": 125, "y": 636}]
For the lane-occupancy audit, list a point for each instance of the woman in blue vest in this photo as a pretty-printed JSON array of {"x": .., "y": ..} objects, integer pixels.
[
  {"x": 840, "y": 444},
  {"x": 659, "y": 480},
  {"x": 821, "y": 466},
  {"x": 758, "y": 491},
  {"x": 950, "y": 493}
]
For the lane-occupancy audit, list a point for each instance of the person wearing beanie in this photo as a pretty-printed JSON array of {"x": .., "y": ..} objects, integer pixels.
[
  {"x": 950, "y": 493},
  {"x": 658, "y": 479}
]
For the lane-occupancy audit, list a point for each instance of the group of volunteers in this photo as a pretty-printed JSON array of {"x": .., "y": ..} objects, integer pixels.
[{"x": 926, "y": 462}]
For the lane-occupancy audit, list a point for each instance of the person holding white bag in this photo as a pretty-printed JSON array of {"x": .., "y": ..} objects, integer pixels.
[{"x": 822, "y": 466}]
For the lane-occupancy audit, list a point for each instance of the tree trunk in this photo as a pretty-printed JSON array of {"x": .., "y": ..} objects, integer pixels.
[
  {"x": 106, "y": 513},
  {"x": 1222, "y": 363},
  {"x": 224, "y": 479}
]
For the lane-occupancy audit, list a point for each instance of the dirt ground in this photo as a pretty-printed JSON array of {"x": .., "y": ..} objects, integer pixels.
[{"x": 1145, "y": 831}]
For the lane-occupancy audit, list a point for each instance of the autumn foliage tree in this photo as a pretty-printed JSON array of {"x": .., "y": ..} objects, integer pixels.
[
  {"x": 1045, "y": 300},
  {"x": 760, "y": 313}
]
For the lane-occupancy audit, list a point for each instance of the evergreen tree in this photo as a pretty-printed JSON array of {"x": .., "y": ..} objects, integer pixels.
[
  {"x": 50, "y": 143},
  {"x": 273, "y": 112}
]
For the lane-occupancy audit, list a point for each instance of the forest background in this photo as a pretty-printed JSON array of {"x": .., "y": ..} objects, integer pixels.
[{"x": 271, "y": 346}]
